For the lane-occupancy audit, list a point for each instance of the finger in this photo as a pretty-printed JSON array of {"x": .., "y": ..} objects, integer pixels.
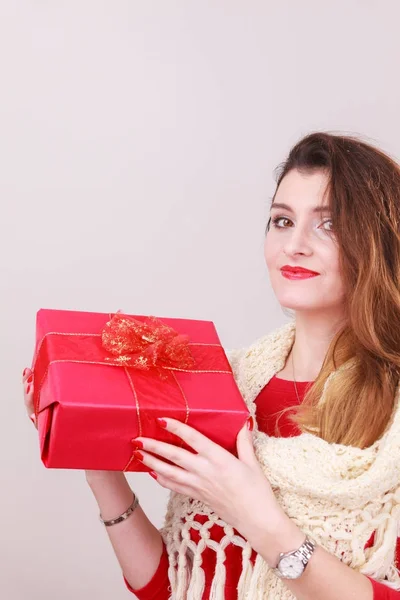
[
  {"x": 176, "y": 474},
  {"x": 33, "y": 419},
  {"x": 193, "y": 438},
  {"x": 244, "y": 444},
  {"x": 27, "y": 373},
  {"x": 29, "y": 405},
  {"x": 183, "y": 458},
  {"x": 28, "y": 399},
  {"x": 169, "y": 484},
  {"x": 28, "y": 385}
]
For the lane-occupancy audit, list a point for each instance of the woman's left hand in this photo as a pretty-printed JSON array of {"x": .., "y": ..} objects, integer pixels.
[{"x": 235, "y": 488}]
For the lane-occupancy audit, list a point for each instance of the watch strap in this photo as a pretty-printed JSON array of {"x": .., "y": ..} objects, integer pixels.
[{"x": 304, "y": 553}]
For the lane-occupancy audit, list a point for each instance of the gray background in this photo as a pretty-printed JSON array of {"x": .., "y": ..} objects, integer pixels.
[{"x": 137, "y": 144}]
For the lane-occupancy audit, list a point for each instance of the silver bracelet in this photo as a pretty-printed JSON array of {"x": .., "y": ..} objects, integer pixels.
[{"x": 124, "y": 515}]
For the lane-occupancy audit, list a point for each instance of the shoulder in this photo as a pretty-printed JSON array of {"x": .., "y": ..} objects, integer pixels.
[{"x": 264, "y": 356}]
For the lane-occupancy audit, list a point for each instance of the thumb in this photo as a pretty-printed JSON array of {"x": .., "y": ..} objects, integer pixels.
[{"x": 244, "y": 443}]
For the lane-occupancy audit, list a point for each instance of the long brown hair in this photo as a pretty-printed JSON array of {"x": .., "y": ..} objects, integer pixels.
[{"x": 364, "y": 197}]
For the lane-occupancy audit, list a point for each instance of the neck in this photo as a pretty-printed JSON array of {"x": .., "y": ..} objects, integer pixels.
[{"x": 314, "y": 333}]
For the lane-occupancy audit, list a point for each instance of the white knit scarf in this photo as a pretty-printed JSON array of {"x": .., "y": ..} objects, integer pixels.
[{"x": 338, "y": 495}]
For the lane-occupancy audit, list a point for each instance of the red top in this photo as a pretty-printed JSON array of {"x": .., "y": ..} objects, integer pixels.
[{"x": 273, "y": 398}]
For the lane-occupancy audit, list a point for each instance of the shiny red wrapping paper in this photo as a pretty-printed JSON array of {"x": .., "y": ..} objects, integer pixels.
[{"x": 90, "y": 404}]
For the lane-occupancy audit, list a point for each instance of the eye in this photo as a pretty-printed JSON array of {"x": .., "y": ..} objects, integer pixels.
[
  {"x": 327, "y": 225},
  {"x": 281, "y": 222}
]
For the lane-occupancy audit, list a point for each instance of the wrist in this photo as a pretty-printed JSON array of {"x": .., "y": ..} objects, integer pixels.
[
  {"x": 98, "y": 478},
  {"x": 279, "y": 535},
  {"x": 111, "y": 491}
]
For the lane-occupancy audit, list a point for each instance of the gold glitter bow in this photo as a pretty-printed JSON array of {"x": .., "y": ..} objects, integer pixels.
[{"x": 146, "y": 344}]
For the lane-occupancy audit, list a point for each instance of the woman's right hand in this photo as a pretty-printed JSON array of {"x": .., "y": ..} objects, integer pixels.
[
  {"x": 27, "y": 382},
  {"x": 113, "y": 494},
  {"x": 91, "y": 476}
]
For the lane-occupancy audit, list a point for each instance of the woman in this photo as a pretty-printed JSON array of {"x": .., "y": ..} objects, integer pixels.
[{"x": 310, "y": 507}]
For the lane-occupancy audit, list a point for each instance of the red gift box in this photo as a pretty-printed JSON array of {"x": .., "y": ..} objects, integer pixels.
[{"x": 93, "y": 394}]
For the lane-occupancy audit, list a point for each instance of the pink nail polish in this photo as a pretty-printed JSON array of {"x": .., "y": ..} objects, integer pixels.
[
  {"x": 153, "y": 474},
  {"x": 162, "y": 423},
  {"x": 250, "y": 423}
]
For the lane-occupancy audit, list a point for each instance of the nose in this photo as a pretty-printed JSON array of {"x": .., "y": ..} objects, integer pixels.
[{"x": 297, "y": 242}]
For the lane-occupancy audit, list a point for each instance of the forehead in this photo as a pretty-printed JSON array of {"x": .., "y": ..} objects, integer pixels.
[{"x": 303, "y": 191}]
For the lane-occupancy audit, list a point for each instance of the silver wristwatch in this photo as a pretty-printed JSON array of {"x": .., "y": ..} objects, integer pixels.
[{"x": 291, "y": 565}]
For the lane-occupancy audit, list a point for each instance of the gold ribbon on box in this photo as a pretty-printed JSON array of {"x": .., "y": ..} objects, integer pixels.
[{"x": 131, "y": 344}]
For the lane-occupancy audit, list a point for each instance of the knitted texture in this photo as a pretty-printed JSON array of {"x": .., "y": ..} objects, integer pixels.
[{"x": 338, "y": 495}]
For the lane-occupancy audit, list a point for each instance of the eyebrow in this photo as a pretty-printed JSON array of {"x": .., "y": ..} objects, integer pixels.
[{"x": 316, "y": 209}]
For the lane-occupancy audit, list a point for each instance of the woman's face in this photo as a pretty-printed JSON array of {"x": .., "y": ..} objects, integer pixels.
[{"x": 301, "y": 251}]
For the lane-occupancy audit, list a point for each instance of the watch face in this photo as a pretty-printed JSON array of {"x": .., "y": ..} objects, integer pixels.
[{"x": 291, "y": 567}]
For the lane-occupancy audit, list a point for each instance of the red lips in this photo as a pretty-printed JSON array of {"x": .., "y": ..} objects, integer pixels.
[
  {"x": 294, "y": 273},
  {"x": 298, "y": 270}
]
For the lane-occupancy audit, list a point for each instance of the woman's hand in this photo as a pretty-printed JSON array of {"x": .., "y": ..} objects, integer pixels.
[
  {"x": 113, "y": 495},
  {"x": 92, "y": 477},
  {"x": 27, "y": 382},
  {"x": 235, "y": 488}
]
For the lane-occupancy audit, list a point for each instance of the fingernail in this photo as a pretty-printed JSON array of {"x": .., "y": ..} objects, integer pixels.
[
  {"x": 162, "y": 423},
  {"x": 28, "y": 389},
  {"x": 24, "y": 372},
  {"x": 250, "y": 423},
  {"x": 33, "y": 418},
  {"x": 153, "y": 474},
  {"x": 30, "y": 379},
  {"x": 138, "y": 455},
  {"x": 137, "y": 444}
]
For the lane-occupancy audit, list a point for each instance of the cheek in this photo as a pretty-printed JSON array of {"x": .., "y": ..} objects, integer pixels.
[
  {"x": 330, "y": 261},
  {"x": 272, "y": 249},
  {"x": 330, "y": 288},
  {"x": 336, "y": 281}
]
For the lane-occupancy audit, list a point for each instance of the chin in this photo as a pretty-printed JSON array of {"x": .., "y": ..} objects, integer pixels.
[
  {"x": 294, "y": 302},
  {"x": 300, "y": 306},
  {"x": 310, "y": 305}
]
